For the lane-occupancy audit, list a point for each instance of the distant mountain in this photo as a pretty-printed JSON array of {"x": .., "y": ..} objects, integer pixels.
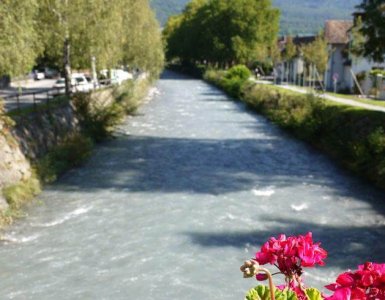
[
  {"x": 166, "y": 8},
  {"x": 308, "y": 16},
  {"x": 297, "y": 16}
]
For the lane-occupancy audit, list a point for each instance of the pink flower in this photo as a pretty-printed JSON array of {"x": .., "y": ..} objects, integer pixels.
[
  {"x": 366, "y": 283},
  {"x": 291, "y": 254}
]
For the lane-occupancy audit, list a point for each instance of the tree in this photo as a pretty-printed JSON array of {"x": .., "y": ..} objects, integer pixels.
[
  {"x": 373, "y": 28},
  {"x": 226, "y": 32},
  {"x": 111, "y": 32},
  {"x": 290, "y": 49},
  {"x": 75, "y": 31},
  {"x": 142, "y": 40},
  {"x": 357, "y": 39},
  {"x": 289, "y": 53},
  {"x": 316, "y": 53},
  {"x": 19, "y": 43}
]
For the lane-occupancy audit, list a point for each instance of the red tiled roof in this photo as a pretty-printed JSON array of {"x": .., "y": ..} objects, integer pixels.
[{"x": 336, "y": 31}]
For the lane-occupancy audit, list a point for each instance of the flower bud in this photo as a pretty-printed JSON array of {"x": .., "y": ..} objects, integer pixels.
[{"x": 249, "y": 268}]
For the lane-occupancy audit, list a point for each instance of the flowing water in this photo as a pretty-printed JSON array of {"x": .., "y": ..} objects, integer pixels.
[{"x": 170, "y": 208}]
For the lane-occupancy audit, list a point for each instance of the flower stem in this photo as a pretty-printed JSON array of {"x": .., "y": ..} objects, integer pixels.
[
  {"x": 301, "y": 287},
  {"x": 271, "y": 284}
]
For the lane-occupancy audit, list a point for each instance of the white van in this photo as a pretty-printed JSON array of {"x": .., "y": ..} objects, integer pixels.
[
  {"x": 117, "y": 76},
  {"x": 80, "y": 83}
]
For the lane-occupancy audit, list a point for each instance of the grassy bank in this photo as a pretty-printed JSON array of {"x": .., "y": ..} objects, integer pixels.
[
  {"x": 98, "y": 115},
  {"x": 353, "y": 137}
]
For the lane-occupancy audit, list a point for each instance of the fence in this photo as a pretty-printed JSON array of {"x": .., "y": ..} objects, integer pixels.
[{"x": 43, "y": 99}]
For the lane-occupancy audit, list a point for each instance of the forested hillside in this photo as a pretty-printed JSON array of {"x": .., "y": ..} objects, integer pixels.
[
  {"x": 298, "y": 16},
  {"x": 307, "y": 16}
]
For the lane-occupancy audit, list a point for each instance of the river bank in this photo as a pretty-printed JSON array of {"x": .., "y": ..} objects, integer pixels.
[
  {"x": 353, "y": 137},
  {"x": 38, "y": 146}
]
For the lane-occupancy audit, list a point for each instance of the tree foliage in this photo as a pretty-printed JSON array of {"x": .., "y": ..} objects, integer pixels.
[
  {"x": 316, "y": 53},
  {"x": 358, "y": 40},
  {"x": 19, "y": 44},
  {"x": 373, "y": 28},
  {"x": 142, "y": 39},
  {"x": 222, "y": 31},
  {"x": 69, "y": 33},
  {"x": 290, "y": 51},
  {"x": 114, "y": 32}
]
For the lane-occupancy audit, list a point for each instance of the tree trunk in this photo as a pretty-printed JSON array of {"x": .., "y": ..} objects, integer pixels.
[
  {"x": 67, "y": 66},
  {"x": 67, "y": 55}
]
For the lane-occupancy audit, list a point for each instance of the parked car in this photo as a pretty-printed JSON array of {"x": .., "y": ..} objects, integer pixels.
[
  {"x": 81, "y": 83},
  {"x": 119, "y": 76},
  {"x": 60, "y": 84},
  {"x": 115, "y": 76},
  {"x": 38, "y": 74},
  {"x": 51, "y": 73}
]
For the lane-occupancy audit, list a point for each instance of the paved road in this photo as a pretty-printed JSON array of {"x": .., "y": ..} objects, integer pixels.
[
  {"x": 189, "y": 188},
  {"x": 26, "y": 88}
]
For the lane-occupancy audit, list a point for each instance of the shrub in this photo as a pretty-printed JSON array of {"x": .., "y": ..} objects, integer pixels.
[
  {"x": 97, "y": 122},
  {"x": 214, "y": 76},
  {"x": 130, "y": 95},
  {"x": 239, "y": 71},
  {"x": 231, "y": 81},
  {"x": 72, "y": 152},
  {"x": 17, "y": 194},
  {"x": 354, "y": 137}
]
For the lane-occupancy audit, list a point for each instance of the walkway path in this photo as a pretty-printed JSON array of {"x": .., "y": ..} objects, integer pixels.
[{"x": 341, "y": 100}]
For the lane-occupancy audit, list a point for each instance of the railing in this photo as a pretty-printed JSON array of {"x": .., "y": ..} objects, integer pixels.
[{"x": 45, "y": 98}]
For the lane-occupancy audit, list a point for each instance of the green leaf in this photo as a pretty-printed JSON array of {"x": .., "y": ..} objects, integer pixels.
[
  {"x": 261, "y": 292},
  {"x": 313, "y": 294},
  {"x": 285, "y": 295}
]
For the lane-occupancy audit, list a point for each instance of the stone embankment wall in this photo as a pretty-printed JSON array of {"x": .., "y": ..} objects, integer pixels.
[
  {"x": 37, "y": 133},
  {"x": 14, "y": 167},
  {"x": 29, "y": 138}
]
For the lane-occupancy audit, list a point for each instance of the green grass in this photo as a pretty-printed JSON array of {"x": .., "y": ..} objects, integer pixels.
[
  {"x": 308, "y": 91},
  {"x": 71, "y": 153},
  {"x": 16, "y": 196},
  {"x": 359, "y": 99},
  {"x": 356, "y": 98}
]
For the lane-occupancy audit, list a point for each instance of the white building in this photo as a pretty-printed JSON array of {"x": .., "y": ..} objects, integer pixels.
[{"x": 342, "y": 65}]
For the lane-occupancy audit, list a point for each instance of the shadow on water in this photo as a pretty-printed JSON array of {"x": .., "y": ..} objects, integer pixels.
[
  {"x": 171, "y": 75},
  {"x": 209, "y": 166},
  {"x": 347, "y": 246}
]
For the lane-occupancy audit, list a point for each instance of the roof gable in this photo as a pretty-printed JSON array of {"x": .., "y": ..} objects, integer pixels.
[{"x": 336, "y": 31}]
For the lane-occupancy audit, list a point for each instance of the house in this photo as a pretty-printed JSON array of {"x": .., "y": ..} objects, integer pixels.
[
  {"x": 342, "y": 66},
  {"x": 291, "y": 71},
  {"x": 337, "y": 75}
]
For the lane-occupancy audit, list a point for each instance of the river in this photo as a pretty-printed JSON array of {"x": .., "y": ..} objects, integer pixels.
[{"x": 187, "y": 190}]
